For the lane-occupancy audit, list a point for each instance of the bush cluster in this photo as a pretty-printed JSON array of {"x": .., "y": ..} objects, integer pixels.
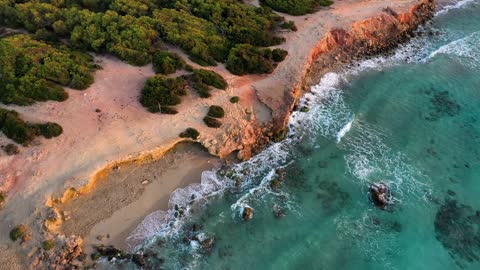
[
  {"x": 190, "y": 133},
  {"x": 2, "y": 199},
  {"x": 35, "y": 71},
  {"x": 132, "y": 30},
  {"x": 22, "y": 132},
  {"x": 297, "y": 7},
  {"x": 216, "y": 112},
  {"x": 246, "y": 59},
  {"x": 19, "y": 232},
  {"x": 167, "y": 63},
  {"x": 202, "y": 79},
  {"x": 159, "y": 93}
]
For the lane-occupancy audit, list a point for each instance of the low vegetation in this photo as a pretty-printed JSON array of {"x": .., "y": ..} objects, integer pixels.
[
  {"x": 234, "y": 99},
  {"x": 11, "y": 149},
  {"x": 35, "y": 71},
  {"x": 20, "y": 232},
  {"x": 246, "y": 59},
  {"x": 167, "y": 63},
  {"x": 190, "y": 133},
  {"x": 201, "y": 80},
  {"x": 212, "y": 122},
  {"x": 216, "y": 112},
  {"x": 22, "y": 132},
  {"x": 160, "y": 92},
  {"x": 2, "y": 199},
  {"x": 48, "y": 244},
  {"x": 297, "y": 7}
]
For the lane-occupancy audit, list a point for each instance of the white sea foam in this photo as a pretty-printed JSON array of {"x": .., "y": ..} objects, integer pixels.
[
  {"x": 344, "y": 131},
  {"x": 466, "y": 49},
  {"x": 456, "y": 5}
]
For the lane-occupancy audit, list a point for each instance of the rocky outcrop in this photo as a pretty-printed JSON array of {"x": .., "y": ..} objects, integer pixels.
[{"x": 379, "y": 34}]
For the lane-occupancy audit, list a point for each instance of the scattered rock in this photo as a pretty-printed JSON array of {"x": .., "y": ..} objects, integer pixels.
[
  {"x": 278, "y": 211},
  {"x": 100, "y": 237},
  {"x": 145, "y": 182},
  {"x": 98, "y": 110}
]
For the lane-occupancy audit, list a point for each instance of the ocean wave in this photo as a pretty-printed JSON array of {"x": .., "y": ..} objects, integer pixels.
[
  {"x": 456, "y": 5},
  {"x": 466, "y": 50}
]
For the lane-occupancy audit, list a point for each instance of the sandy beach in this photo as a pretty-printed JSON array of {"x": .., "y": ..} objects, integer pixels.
[{"x": 116, "y": 156}]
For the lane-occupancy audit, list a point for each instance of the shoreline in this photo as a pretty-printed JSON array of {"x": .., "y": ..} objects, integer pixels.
[{"x": 245, "y": 86}]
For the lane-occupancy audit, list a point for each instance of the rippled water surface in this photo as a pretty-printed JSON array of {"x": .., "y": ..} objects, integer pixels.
[{"x": 410, "y": 120}]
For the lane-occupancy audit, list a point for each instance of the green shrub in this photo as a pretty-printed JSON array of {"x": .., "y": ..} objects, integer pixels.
[
  {"x": 234, "y": 99},
  {"x": 210, "y": 78},
  {"x": 290, "y": 25},
  {"x": 48, "y": 244},
  {"x": 246, "y": 59},
  {"x": 168, "y": 110},
  {"x": 202, "y": 79},
  {"x": 22, "y": 132},
  {"x": 167, "y": 62},
  {"x": 297, "y": 7},
  {"x": 189, "y": 68},
  {"x": 212, "y": 122},
  {"x": 216, "y": 112},
  {"x": 48, "y": 130},
  {"x": 160, "y": 91},
  {"x": 190, "y": 133},
  {"x": 278, "y": 55},
  {"x": 20, "y": 231}
]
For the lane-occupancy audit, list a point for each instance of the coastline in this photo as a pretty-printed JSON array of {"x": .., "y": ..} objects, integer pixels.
[{"x": 249, "y": 87}]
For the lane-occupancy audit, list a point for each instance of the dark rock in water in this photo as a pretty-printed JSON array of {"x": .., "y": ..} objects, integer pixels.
[
  {"x": 451, "y": 192},
  {"x": 380, "y": 195},
  {"x": 138, "y": 260},
  {"x": 110, "y": 252},
  {"x": 206, "y": 241},
  {"x": 457, "y": 228},
  {"x": 247, "y": 213},
  {"x": 196, "y": 227},
  {"x": 322, "y": 164},
  {"x": 332, "y": 197}
]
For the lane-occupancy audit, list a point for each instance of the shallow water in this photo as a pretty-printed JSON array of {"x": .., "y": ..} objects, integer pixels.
[{"x": 410, "y": 120}]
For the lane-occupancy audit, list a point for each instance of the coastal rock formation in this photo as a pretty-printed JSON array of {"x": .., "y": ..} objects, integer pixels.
[
  {"x": 380, "y": 195},
  {"x": 69, "y": 255},
  {"x": 247, "y": 213},
  {"x": 375, "y": 35}
]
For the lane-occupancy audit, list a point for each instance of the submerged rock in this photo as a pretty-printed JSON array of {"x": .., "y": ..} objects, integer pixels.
[
  {"x": 380, "y": 195},
  {"x": 457, "y": 228}
]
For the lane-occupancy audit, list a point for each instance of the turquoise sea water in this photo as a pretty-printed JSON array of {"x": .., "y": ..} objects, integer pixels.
[{"x": 411, "y": 120}]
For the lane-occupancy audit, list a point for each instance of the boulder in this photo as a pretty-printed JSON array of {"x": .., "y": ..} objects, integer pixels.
[
  {"x": 380, "y": 195},
  {"x": 247, "y": 213}
]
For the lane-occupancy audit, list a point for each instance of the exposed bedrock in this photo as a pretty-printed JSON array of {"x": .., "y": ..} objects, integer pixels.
[{"x": 375, "y": 35}]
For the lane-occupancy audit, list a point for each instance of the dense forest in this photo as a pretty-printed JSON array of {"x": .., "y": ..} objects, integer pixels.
[{"x": 51, "y": 51}]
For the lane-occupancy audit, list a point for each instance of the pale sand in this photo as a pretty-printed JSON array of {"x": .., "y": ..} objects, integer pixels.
[
  {"x": 124, "y": 130},
  {"x": 131, "y": 192}
]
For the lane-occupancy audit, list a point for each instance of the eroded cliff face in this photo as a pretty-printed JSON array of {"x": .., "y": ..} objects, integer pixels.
[{"x": 376, "y": 35}]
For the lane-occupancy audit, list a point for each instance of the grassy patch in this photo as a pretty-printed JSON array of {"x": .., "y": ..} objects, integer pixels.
[{"x": 297, "y": 7}]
